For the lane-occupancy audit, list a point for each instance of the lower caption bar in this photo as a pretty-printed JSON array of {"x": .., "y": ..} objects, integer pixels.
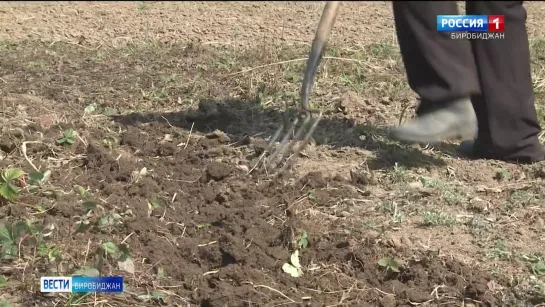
[{"x": 82, "y": 284}]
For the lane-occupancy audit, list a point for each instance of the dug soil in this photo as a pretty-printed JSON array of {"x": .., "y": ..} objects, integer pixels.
[{"x": 197, "y": 220}]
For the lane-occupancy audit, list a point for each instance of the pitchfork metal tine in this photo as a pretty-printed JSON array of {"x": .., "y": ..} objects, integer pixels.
[
  {"x": 281, "y": 147},
  {"x": 275, "y": 137},
  {"x": 304, "y": 143}
]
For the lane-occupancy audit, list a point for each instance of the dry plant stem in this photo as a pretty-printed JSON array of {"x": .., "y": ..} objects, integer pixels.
[
  {"x": 189, "y": 136},
  {"x": 23, "y": 150},
  {"x": 305, "y": 59},
  {"x": 274, "y": 290}
]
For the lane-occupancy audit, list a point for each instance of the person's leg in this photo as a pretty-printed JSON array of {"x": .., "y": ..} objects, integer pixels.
[
  {"x": 440, "y": 70},
  {"x": 508, "y": 126}
]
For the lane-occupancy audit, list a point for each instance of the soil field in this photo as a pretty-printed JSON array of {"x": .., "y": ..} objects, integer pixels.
[{"x": 130, "y": 135}]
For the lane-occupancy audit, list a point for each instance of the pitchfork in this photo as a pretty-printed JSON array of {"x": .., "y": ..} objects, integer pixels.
[{"x": 305, "y": 115}]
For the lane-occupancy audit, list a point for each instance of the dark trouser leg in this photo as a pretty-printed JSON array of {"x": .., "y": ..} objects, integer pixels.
[
  {"x": 439, "y": 69},
  {"x": 508, "y": 125}
]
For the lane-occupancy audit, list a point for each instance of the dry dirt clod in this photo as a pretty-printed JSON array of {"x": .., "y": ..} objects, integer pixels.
[
  {"x": 6, "y": 144},
  {"x": 395, "y": 242},
  {"x": 220, "y": 135},
  {"x": 348, "y": 103},
  {"x": 363, "y": 177},
  {"x": 218, "y": 171},
  {"x": 539, "y": 171},
  {"x": 259, "y": 146},
  {"x": 386, "y": 100},
  {"x": 478, "y": 205},
  {"x": 416, "y": 185},
  {"x": 418, "y": 296},
  {"x": 243, "y": 168},
  {"x": 387, "y": 301},
  {"x": 314, "y": 180},
  {"x": 371, "y": 235}
]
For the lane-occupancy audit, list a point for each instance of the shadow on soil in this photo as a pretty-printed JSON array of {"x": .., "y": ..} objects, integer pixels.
[{"x": 242, "y": 119}]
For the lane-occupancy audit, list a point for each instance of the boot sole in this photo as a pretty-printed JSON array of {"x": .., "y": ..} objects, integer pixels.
[{"x": 459, "y": 131}]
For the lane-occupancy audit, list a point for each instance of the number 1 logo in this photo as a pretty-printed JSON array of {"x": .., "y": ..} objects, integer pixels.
[{"x": 496, "y": 23}]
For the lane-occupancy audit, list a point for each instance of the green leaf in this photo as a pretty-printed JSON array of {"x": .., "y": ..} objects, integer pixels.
[
  {"x": 160, "y": 273},
  {"x": 384, "y": 262},
  {"x": 303, "y": 240},
  {"x": 539, "y": 268},
  {"x": 5, "y": 304},
  {"x": 390, "y": 264},
  {"x": 82, "y": 227},
  {"x": 110, "y": 219},
  {"x": 204, "y": 225},
  {"x": 53, "y": 254},
  {"x": 3, "y": 280},
  {"x": 152, "y": 296},
  {"x": 68, "y": 133},
  {"x": 81, "y": 191},
  {"x": 154, "y": 203},
  {"x": 109, "y": 111},
  {"x": 5, "y": 235},
  {"x": 86, "y": 271},
  {"x": 530, "y": 258},
  {"x": 18, "y": 230},
  {"x": 33, "y": 229},
  {"x": 104, "y": 220},
  {"x": 9, "y": 191},
  {"x": 126, "y": 264},
  {"x": 43, "y": 250},
  {"x": 109, "y": 247},
  {"x": 395, "y": 267},
  {"x": 99, "y": 261},
  {"x": 12, "y": 173},
  {"x": 158, "y": 295},
  {"x": 90, "y": 109},
  {"x": 124, "y": 249},
  {"x": 8, "y": 251},
  {"x": 36, "y": 176},
  {"x": 89, "y": 205},
  {"x": 109, "y": 141},
  {"x": 58, "y": 194}
]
